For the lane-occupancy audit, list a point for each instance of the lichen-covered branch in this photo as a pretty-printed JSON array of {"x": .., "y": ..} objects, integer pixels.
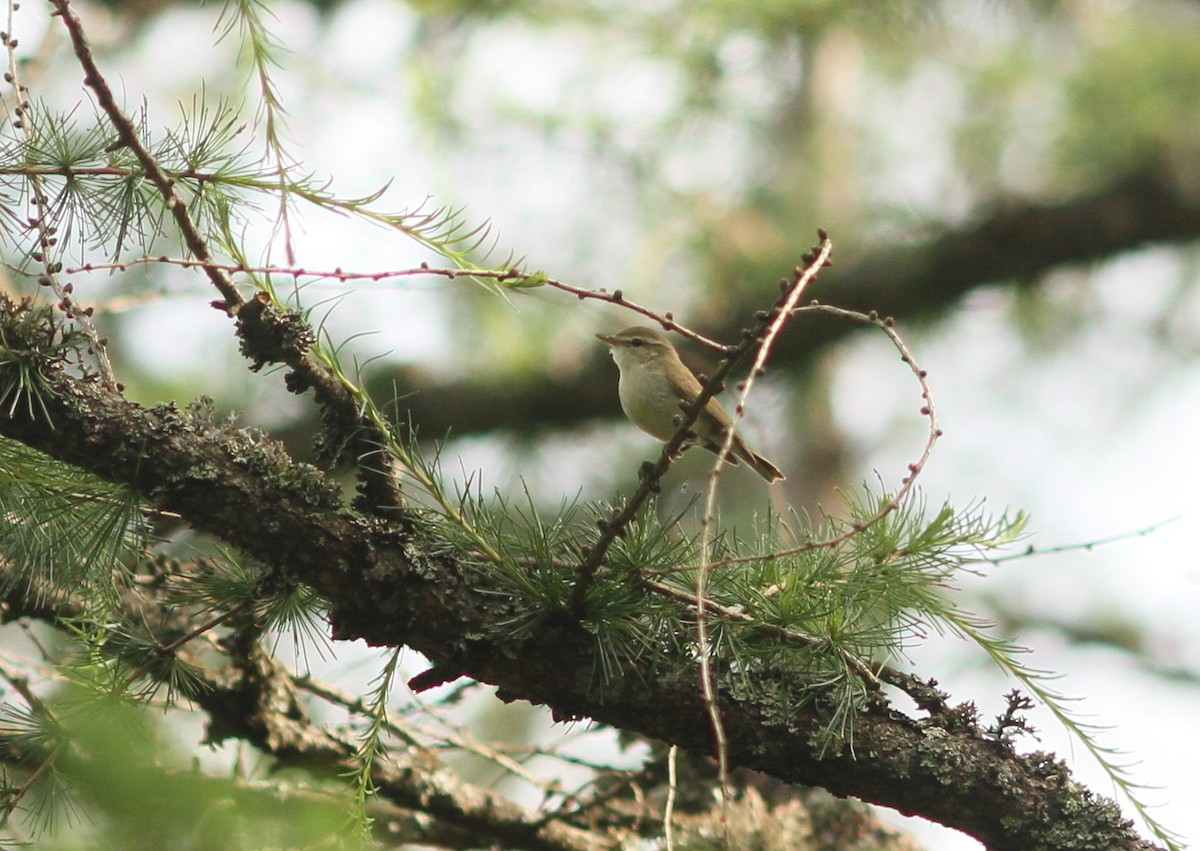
[{"x": 396, "y": 583}]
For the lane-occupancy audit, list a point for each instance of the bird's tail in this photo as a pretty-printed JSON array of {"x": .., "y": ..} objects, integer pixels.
[
  {"x": 756, "y": 462},
  {"x": 763, "y": 467}
]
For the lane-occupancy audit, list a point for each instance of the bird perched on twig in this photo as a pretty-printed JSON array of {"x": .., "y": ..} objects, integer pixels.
[{"x": 653, "y": 383}]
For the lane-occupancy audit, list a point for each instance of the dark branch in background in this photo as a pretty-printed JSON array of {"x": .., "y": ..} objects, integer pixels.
[
  {"x": 1019, "y": 242},
  {"x": 390, "y": 587},
  {"x": 413, "y": 777},
  {"x": 267, "y": 334}
]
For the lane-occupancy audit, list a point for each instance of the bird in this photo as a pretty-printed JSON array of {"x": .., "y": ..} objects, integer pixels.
[{"x": 653, "y": 383}]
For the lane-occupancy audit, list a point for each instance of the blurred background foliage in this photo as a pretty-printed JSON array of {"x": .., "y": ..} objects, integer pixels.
[{"x": 1018, "y": 182}]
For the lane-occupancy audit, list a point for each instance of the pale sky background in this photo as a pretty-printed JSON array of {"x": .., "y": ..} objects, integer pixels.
[{"x": 1093, "y": 437}]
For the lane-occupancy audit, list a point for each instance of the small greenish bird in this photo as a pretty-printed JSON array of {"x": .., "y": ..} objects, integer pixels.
[{"x": 653, "y": 383}]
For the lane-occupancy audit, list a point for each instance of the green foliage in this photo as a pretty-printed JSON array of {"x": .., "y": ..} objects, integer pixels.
[
  {"x": 1134, "y": 101},
  {"x": 100, "y": 198},
  {"x": 808, "y": 611},
  {"x": 65, "y": 531},
  {"x": 31, "y": 737},
  {"x": 22, "y": 386},
  {"x": 1008, "y": 656},
  {"x": 791, "y": 625},
  {"x": 109, "y": 756},
  {"x": 264, "y": 597},
  {"x": 372, "y": 744}
]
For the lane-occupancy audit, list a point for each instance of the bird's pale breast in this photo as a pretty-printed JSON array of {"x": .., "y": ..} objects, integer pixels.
[{"x": 649, "y": 401}]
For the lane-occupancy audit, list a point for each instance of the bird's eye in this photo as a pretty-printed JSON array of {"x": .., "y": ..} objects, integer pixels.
[{"x": 636, "y": 341}]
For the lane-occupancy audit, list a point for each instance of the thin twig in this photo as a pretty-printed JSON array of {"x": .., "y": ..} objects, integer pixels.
[
  {"x": 501, "y": 276},
  {"x": 127, "y": 136},
  {"x": 167, "y": 650},
  {"x": 672, "y": 790},
  {"x": 779, "y": 315},
  {"x": 650, "y": 475},
  {"x": 737, "y": 615},
  {"x": 1086, "y": 546},
  {"x": 928, "y": 410}
]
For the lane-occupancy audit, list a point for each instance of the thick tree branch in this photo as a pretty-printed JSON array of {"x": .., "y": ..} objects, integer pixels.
[
  {"x": 390, "y": 585},
  {"x": 1017, "y": 242},
  {"x": 251, "y": 697}
]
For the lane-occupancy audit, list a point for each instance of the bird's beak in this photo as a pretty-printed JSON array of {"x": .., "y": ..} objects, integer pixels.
[{"x": 612, "y": 341}]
